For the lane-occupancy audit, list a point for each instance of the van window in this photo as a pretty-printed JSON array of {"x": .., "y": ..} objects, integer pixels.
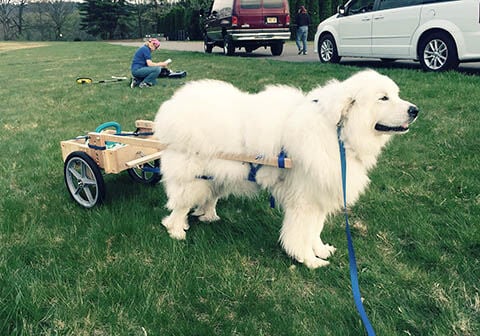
[
  {"x": 250, "y": 4},
  {"x": 387, "y": 4},
  {"x": 272, "y": 3},
  {"x": 222, "y": 8},
  {"x": 360, "y": 6}
]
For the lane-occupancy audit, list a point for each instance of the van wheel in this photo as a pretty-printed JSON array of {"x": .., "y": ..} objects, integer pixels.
[
  {"x": 228, "y": 46},
  {"x": 276, "y": 49},
  {"x": 327, "y": 49},
  {"x": 438, "y": 52}
]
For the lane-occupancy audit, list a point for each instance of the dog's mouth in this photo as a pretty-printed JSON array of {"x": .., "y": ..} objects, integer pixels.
[
  {"x": 392, "y": 129},
  {"x": 403, "y": 128}
]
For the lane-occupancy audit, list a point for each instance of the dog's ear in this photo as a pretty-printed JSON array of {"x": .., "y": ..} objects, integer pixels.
[
  {"x": 348, "y": 105},
  {"x": 333, "y": 100}
]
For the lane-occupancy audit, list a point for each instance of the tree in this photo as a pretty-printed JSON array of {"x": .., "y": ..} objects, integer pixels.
[
  {"x": 18, "y": 20},
  {"x": 140, "y": 9},
  {"x": 59, "y": 12},
  {"x": 7, "y": 12},
  {"x": 107, "y": 19}
]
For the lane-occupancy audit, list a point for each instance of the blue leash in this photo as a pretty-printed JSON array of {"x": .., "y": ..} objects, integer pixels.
[{"x": 351, "y": 251}]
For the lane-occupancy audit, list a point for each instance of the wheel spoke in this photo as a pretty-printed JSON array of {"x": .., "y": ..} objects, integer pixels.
[
  {"x": 84, "y": 170},
  {"x": 88, "y": 182},
  {"x": 74, "y": 173},
  {"x": 89, "y": 195},
  {"x": 78, "y": 190}
]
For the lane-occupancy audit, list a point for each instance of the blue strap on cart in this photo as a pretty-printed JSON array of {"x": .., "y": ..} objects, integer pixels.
[{"x": 351, "y": 251}]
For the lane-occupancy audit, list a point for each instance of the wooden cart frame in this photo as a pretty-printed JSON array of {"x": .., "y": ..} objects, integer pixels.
[{"x": 87, "y": 158}]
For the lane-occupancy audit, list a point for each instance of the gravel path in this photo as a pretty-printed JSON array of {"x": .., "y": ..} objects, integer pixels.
[
  {"x": 290, "y": 55},
  {"x": 289, "y": 50}
]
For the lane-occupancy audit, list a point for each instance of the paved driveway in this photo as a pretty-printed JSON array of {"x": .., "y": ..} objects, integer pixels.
[{"x": 290, "y": 54}]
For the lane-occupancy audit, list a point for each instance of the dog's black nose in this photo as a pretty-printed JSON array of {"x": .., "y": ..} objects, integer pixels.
[{"x": 413, "y": 112}]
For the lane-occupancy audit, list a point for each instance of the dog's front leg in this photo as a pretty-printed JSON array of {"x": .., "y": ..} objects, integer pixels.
[
  {"x": 322, "y": 250},
  {"x": 300, "y": 235},
  {"x": 176, "y": 223}
]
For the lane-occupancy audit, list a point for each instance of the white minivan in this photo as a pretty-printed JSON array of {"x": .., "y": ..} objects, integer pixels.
[{"x": 438, "y": 33}]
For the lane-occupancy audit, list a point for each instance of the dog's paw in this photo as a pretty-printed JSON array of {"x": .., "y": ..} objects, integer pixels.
[
  {"x": 167, "y": 222},
  {"x": 313, "y": 263},
  {"x": 209, "y": 218},
  {"x": 324, "y": 251},
  {"x": 178, "y": 234},
  {"x": 175, "y": 230}
]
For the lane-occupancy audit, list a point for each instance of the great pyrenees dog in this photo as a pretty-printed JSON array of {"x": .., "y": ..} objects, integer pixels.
[{"x": 207, "y": 117}]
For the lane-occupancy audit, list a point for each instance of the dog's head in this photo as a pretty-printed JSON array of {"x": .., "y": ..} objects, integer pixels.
[
  {"x": 374, "y": 103},
  {"x": 368, "y": 109}
]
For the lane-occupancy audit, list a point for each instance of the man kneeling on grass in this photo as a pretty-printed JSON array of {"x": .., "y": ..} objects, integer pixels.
[{"x": 144, "y": 71}]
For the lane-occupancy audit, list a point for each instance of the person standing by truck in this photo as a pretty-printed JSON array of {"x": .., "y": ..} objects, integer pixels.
[{"x": 303, "y": 21}]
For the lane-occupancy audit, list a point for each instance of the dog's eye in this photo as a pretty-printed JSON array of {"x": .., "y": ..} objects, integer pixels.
[{"x": 384, "y": 98}]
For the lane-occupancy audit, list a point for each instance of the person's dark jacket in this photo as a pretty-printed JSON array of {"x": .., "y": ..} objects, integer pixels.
[{"x": 302, "y": 19}]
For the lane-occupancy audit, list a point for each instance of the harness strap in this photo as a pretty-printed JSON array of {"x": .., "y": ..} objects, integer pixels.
[
  {"x": 97, "y": 147},
  {"x": 252, "y": 174},
  {"x": 351, "y": 251},
  {"x": 135, "y": 134},
  {"x": 281, "y": 158}
]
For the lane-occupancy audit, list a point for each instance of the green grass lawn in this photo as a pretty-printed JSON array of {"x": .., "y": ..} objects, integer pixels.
[{"x": 113, "y": 270}]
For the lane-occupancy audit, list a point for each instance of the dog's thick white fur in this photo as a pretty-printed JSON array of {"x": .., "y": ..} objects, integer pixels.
[{"x": 208, "y": 117}]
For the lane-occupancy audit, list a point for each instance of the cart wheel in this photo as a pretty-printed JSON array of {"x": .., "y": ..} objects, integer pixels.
[
  {"x": 147, "y": 173},
  {"x": 84, "y": 179}
]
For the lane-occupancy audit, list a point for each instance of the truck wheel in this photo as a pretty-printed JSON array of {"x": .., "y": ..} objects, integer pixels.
[
  {"x": 207, "y": 46},
  {"x": 228, "y": 46},
  {"x": 276, "y": 49}
]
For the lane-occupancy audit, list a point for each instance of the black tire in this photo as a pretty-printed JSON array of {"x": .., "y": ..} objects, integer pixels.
[
  {"x": 438, "y": 52},
  {"x": 228, "y": 46},
  {"x": 146, "y": 173},
  {"x": 276, "y": 49},
  {"x": 208, "y": 47},
  {"x": 327, "y": 49},
  {"x": 84, "y": 179}
]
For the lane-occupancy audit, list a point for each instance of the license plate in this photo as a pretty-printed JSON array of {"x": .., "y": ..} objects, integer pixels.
[{"x": 271, "y": 19}]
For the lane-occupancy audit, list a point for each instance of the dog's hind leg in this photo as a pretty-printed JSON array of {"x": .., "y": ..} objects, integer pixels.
[
  {"x": 182, "y": 197},
  {"x": 299, "y": 234},
  {"x": 207, "y": 211}
]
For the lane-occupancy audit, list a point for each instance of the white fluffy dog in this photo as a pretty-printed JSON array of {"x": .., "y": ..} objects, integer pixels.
[{"x": 208, "y": 117}]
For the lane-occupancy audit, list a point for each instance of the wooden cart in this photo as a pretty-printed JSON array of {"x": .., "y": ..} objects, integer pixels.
[{"x": 107, "y": 151}]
